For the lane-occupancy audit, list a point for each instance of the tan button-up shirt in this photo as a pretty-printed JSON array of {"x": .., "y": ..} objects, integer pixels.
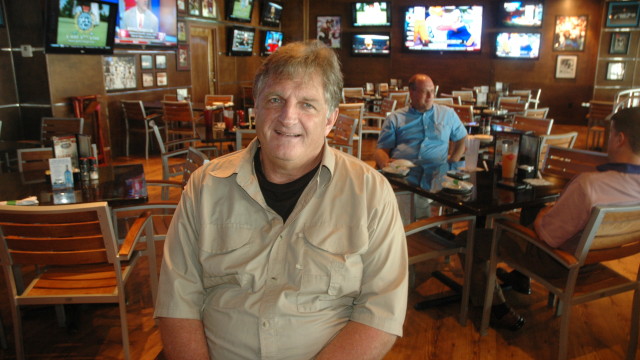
[{"x": 265, "y": 289}]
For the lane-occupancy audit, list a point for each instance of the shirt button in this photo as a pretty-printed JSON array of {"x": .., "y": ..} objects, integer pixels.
[
  {"x": 274, "y": 278},
  {"x": 265, "y": 324}
]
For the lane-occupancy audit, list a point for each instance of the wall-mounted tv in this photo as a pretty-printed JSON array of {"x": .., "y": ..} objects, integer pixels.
[
  {"x": 442, "y": 28},
  {"x": 518, "y": 45},
  {"x": 271, "y": 41},
  {"x": 521, "y": 13},
  {"x": 371, "y": 13},
  {"x": 239, "y": 10},
  {"x": 370, "y": 44},
  {"x": 147, "y": 23},
  {"x": 240, "y": 41},
  {"x": 87, "y": 28},
  {"x": 271, "y": 13}
]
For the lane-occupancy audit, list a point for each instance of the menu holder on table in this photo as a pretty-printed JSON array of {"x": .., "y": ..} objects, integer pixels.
[
  {"x": 61, "y": 173},
  {"x": 66, "y": 147}
]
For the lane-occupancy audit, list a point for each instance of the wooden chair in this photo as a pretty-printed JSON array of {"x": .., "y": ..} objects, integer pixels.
[
  {"x": 613, "y": 232},
  {"x": 524, "y": 95},
  {"x": 559, "y": 140},
  {"x": 352, "y": 94},
  {"x": 597, "y": 124},
  {"x": 540, "y": 113},
  {"x": 179, "y": 119},
  {"x": 455, "y": 99},
  {"x": 466, "y": 96},
  {"x": 54, "y": 126},
  {"x": 537, "y": 125},
  {"x": 567, "y": 163},
  {"x": 444, "y": 101},
  {"x": 195, "y": 159},
  {"x": 34, "y": 159},
  {"x": 170, "y": 97},
  {"x": 401, "y": 98},
  {"x": 76, "y": 249},
  {"x": 383, "y": 89},
  {"x": 513, "y": 108},
  {"x": 535, "y": 98},
  {"x": 343, "y": 133},
  {"x": 226, "y": 101},
  {"x": 136, "y": 120},
  {"x": 423, "y": 244},
  {"x": 465, "y": 112},
  {"x": 387, "y": 107},
  {"x": 630, "y": 96},
  {"x": 354, "y": 110}
]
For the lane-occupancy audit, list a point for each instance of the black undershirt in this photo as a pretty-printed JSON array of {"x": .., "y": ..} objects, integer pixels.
[{"x": 282, "y": 198}]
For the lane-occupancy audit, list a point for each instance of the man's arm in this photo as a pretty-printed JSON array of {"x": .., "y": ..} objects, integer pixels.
[
  {"x": 183, "y": 339},
  {"x": 458, "y": 150},
  {"x": 381, "y": 156},
  {"x": 358, "y": 341}
]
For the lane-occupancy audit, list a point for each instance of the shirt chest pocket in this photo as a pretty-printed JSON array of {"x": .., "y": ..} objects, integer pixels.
[
  {"x": 224, "y": 250},
  {"x": 331, "y": 267}
]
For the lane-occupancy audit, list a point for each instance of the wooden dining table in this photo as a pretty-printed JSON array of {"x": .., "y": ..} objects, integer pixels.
[{"x": 118, "y": 185}]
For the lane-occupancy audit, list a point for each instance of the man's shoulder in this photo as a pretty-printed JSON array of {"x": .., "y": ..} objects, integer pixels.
[{"x": 354, "y": 169}]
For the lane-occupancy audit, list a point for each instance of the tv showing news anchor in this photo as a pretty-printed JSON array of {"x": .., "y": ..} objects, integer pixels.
[{"x": 147, "y": 22}]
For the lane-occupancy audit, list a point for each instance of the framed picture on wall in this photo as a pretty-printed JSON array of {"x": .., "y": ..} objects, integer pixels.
[
  {"x": 619, "y": 43},
  {"x": 147, "y": 79},
  {"x": 119, "y": 72},
  {"x": 566, "y": 66},
  {"x": 570, "y": 33},
  {"x": 161, "y": 61},
  {"x": 183, "y": 57},
  {"x": 182, "y": 6},
  {"x": 209, "y": 9},
  {"x": 161, "y": 79},
  {"x": 146, "y": 62},
  {"x": 623, "y": 14},
  {"x": 329, "y": 30},
  {"x": 194, "y": 7},
  {"x": 182, "y": 31},
  {"x": 615, "y": 71}
]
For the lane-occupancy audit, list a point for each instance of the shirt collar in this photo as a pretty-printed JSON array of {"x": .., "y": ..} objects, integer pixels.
[{"x": 620, "y": 167}]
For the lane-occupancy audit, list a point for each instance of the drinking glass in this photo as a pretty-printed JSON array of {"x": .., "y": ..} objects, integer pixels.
[{"x": 509, "y": 159}]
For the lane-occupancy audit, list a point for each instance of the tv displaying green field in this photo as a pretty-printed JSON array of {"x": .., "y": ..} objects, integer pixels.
[{"x": 239, "y": 10}]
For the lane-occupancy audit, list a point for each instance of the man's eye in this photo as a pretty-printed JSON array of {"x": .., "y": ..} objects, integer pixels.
[
  {"x": 274, "y": 100},
  {"x": 308, "y": 106}
]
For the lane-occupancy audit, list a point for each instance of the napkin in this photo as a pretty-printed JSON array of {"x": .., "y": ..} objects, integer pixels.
[
  {"x": 399, "y": 167},
  {"x": 31, "y": 200}
]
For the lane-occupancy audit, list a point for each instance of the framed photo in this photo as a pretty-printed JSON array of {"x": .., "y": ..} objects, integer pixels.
[
  {"x": 146, "y": 62},
  {"x": 329, "y": 30},
  {"x": 182, "y": 6},
  {"x": 566, "y": 66},
  {"x": 119, "y": 72},
  {"x": 182, "y": 31},
  {"x": 623, "y": 14},
  {"x": 183, "y": 57},
  {"x": 615, "y": 71},
  {"x": 147, "y": 79},
  {"x": 209, "y": 9},
  {"x": 194, "y": 7},
  {"x": 161, "y": 79},
  {"x": 161, "y": 61},
  {"x": 619, "y": 43},
  {"x": 570, "y": 33}
]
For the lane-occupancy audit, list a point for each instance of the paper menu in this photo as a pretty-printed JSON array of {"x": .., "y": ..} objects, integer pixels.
[{"x": 61, "y": 173}]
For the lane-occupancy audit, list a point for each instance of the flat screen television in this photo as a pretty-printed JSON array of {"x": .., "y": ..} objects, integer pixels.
[
  {"x": 271, "y": 13},
  {"x": 370, "y": 44},
  {"x": 521, "y": 13},
  {"x": 376, "y": 13},
  {"x": 239, "y": 10},
  {"x": 442, "y": 28},
  {"x": 240, "y": 41},
  {"x": 87, "y": 28},
  {"x": 518, "y": 45},
  {"x": 271, "y": 41},
  {"x": 155, "y": 25}
]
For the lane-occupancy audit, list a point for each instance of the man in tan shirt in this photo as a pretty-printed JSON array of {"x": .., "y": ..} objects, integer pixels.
[{"x": 288, "y": 249}]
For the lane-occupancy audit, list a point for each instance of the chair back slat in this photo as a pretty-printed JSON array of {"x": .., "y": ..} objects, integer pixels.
[
  {"x": 537, "y": 125},
  {"x": 540, "y": 113},
  {"x": 567, "y": 163},
  {"x": 352, "y": 94},
  {"x": 180, "y": 111},
  {"x": 343, "y": 131},
  {"x": 598, "y": 112},
  {"x": 195, "y": 159},
  {"x": 133, "y": 110},
  {"x": 34, "y": 159},
  {"x": 465, "y": 112},
  {"x": 225, "y": 100},
  {"x": 52, "y": 126},
  {"x": 401, "y": 98},
  {"x": 24, "y": 243}
]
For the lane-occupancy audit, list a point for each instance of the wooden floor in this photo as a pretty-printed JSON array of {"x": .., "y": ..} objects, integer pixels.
[{"x": 599, "y": 329}]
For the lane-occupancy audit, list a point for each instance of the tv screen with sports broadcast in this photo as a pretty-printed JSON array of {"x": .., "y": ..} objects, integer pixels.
[
  {"x": 521, "y": 13},
  {"x": 147, "y": 23},
  {"x": 271, "y": 42},
  {"x": 442, "y": 28},
  {"x": 239, "y": 10},
  {"x": 518, "y": 45},
  {"x": 240, "y": 41},
  {"x": 371, "y": 13},
  {"x": 271, "y": 13},
  {"x": 370, "y": 44},
  {"x": 80, "y": 28}
]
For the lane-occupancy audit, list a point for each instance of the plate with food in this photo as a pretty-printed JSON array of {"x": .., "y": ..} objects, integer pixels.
[
  {"x": 399, "y": 167},
  {"x": 457, "y": 186}
]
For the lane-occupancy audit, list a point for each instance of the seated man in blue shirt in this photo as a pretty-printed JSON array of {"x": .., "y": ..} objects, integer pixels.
[{"x": 421, "y": 132}]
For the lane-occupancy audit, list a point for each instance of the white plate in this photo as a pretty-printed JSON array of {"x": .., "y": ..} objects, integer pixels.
[{"x": 457, "y": 186}]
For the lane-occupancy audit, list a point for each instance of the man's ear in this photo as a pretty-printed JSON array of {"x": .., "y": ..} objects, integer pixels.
[{"x": 331, "y": 120}]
